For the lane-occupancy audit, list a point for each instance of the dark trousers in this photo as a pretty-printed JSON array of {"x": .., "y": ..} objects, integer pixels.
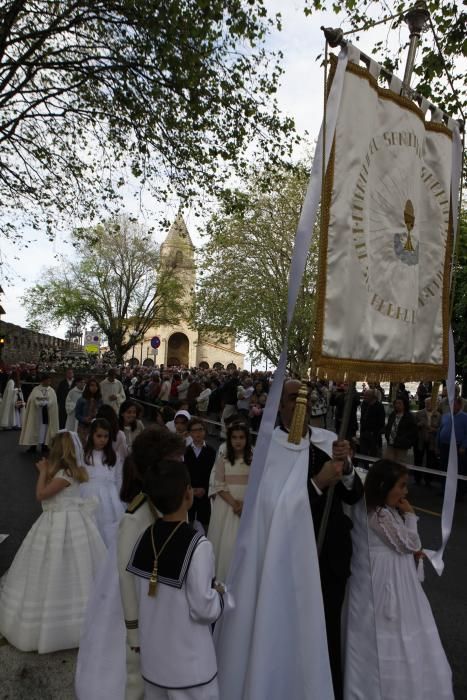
[
  {"x": 333, "y": 599},
  {"x": 369, "y": 443},
  {"x": 431, "y": 462}
]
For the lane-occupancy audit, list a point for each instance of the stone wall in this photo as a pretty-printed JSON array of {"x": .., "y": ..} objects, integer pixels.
[{"x": 24, "y": 345}]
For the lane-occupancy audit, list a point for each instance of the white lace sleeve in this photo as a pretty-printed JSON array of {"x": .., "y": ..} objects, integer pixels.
[{"x": 400, "y": 535}]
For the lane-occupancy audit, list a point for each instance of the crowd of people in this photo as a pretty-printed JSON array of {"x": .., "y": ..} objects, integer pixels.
[
  {"x": 216, "y": 394},
  {"x": 139, "y": 526}
]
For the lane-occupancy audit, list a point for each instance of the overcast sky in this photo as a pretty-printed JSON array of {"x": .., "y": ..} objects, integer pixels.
[{"x": 300, "y": 96}]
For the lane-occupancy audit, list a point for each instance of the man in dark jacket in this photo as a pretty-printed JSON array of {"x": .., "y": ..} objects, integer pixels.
[
  {"x": 229, "y": 398},
  {"x": 401, "y": 431},
  {"x": 372, "y": 420}
]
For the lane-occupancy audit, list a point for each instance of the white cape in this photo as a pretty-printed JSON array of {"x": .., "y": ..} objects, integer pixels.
[{"x": 273, "y": 646}]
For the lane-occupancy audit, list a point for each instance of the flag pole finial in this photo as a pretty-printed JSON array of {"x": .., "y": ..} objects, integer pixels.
[{"x": 416, "y": 19}]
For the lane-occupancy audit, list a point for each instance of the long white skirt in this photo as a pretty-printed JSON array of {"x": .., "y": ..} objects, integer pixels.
[
  {"x": 110, "y": 508},
  {"x": 410, "y": 658},
  {"x": 223, "y": 530},
  {"x": 101, "y": 666},
  {"x": 44, "y": 594}
]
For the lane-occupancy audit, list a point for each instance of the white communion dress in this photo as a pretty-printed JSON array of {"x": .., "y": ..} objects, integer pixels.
[
  {"x": 44, "y": 594},
  {"x": 224, "y": 523},
  {"x": 103, "y": 486},
  {"x": 398, "y": 653}
]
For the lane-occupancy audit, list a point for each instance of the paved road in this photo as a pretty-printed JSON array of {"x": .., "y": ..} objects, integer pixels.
[{"x": 49, "y": 677}]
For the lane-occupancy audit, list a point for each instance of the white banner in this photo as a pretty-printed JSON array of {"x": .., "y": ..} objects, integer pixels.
[{"x": 383, "y": 288}]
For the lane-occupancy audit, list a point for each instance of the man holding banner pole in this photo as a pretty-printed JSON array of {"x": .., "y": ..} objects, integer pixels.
[{"x": 278, "y": 641}]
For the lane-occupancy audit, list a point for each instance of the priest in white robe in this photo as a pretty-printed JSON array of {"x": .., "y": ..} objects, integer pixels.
[
  {"x": 112, "y": 391},
  {"x": 41, "y": 415},
  {"x": 70, "y": 404},
  {"x": 12, "y": 405}
]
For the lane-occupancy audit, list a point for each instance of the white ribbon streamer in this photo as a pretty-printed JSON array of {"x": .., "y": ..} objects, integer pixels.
[
  {"x": 297, "y": 268},
  {"x": 447, "y": 513}
]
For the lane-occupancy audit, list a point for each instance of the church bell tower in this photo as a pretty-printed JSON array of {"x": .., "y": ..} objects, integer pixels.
[{"x": 178, "y": 255}]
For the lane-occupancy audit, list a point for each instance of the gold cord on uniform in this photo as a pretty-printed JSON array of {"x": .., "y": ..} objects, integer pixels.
[{"x": 152, "y": 590}]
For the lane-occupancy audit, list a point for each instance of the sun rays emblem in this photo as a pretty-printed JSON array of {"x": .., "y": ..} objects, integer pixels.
[{"x": 400, "y": 221}]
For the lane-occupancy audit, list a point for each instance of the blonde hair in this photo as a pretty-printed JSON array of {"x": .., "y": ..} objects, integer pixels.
[{"x": 62, "y": 455}]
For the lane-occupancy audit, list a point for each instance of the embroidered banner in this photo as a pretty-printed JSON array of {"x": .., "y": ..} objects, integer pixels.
[{"x": 385, "y": 251}]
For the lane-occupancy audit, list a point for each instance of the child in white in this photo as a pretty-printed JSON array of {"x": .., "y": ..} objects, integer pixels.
[
  {"x": 44, "y": 593},
  {"x": 231, "y": 472},
  {"x": 103, "y": 468},
  {"x": 178, "y": 601},
  {"x": 410, "y": 663}
]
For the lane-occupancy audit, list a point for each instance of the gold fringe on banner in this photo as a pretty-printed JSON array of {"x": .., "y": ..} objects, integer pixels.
[{"x": 347, "y": 370}]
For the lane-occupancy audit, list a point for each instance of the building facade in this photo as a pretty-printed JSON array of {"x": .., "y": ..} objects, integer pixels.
[{"x": 181, "y": 345}]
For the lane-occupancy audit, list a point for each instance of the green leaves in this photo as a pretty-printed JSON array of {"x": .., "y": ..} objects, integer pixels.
[
  {"x": 459, "y": 315},
  {"x": 175, "y": 89},
  {"x": 449, "y": 21},
  {"x": 245, "y": 264},
  {"x": 116, "y": 280}
]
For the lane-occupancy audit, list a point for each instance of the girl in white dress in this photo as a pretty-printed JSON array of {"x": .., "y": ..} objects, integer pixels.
[
  {"x": 117, "y": 438},
  {"x": 44, "y": 593},
  {"x": 231, "y": 472},
  {"x": 104, "y": 469},
  {"x": 401, "y": 637}
]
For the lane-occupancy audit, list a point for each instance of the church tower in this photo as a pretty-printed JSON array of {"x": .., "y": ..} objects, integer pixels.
[
  {"x": 178, "y": 255},
  {"x": 180, "y": 344}
]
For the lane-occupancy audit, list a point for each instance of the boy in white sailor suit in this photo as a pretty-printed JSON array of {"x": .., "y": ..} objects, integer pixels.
[
  {"x": 149, "y": 447},
  {"x": 178, "y": 596}
]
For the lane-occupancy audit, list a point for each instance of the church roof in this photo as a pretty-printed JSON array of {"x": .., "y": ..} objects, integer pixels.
[{"x": 178, "y": 233}]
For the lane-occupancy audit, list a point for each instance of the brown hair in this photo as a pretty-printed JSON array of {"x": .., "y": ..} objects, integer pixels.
[
  {"x": 150, "y": 447},
  {"x": 196, "y": 421},
  {"x": 381, "y": 478},
  {"x": 247, "y": 452}
]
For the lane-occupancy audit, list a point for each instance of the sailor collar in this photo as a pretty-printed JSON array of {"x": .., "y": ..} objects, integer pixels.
[{"x": 175, "y": 560}]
